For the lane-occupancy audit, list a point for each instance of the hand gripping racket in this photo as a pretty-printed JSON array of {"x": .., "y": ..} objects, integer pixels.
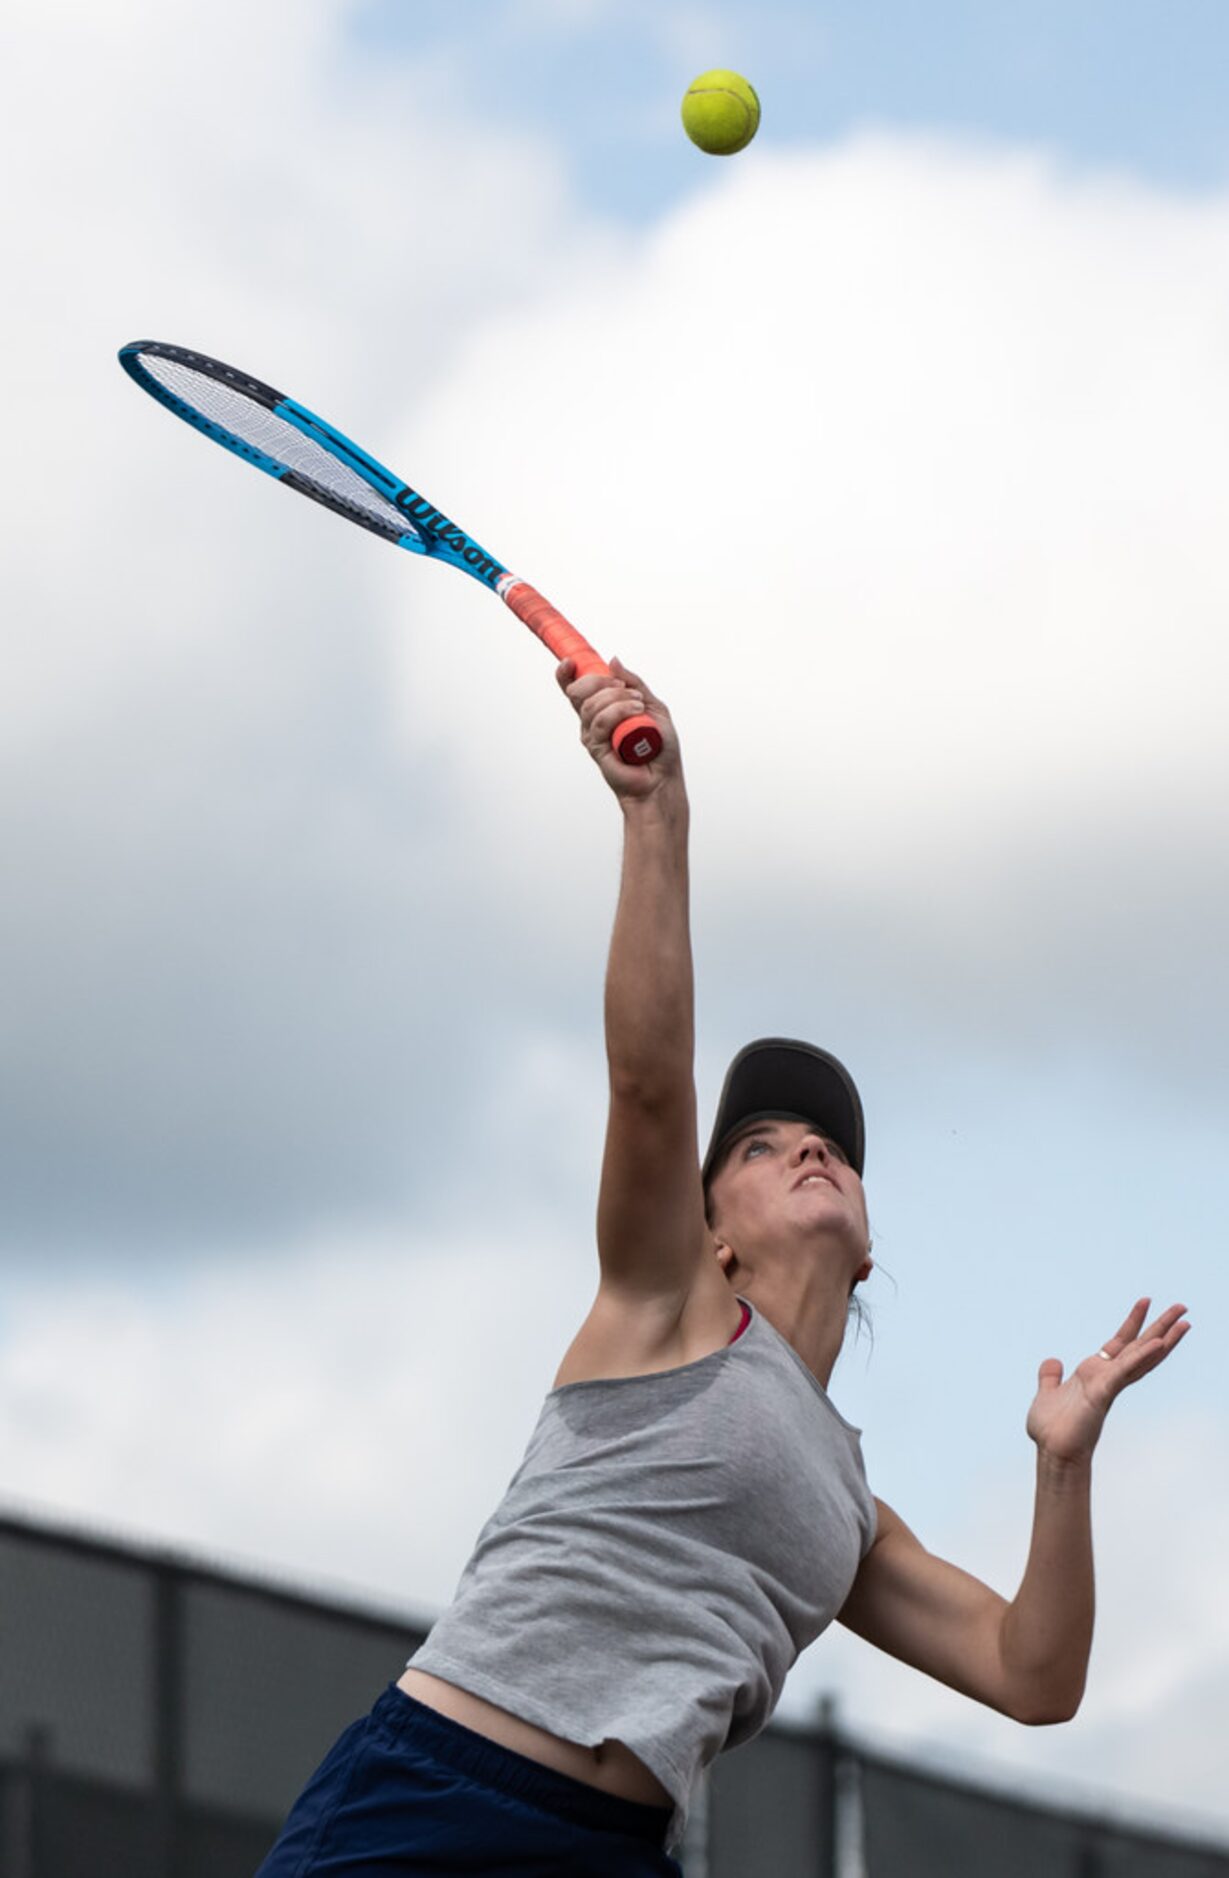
[{"x": 287, "y": 441}]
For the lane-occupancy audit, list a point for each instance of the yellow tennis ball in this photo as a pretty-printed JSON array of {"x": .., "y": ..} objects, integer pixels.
[{"x": 721, "y": 112}]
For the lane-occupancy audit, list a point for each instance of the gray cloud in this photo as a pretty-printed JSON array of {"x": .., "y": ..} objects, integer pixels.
[
  {"x": 887, "y": 507},
  {"x": 241, "y": 911}
]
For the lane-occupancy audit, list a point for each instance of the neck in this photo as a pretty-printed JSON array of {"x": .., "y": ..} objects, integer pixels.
[{"x": 810, "y": 1309}]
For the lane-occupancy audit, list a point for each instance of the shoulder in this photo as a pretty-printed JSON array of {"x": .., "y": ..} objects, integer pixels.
[
  {"x": 888, "y": 1522},
  {"x": 893, "y": 1558}
]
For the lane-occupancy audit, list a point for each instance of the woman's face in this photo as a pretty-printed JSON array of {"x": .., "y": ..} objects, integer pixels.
[{"x": 772, "y": 1173}]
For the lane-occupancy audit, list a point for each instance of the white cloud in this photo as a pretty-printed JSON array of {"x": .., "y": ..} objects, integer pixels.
[
  {"x": 253, "y": 187},
  {"x": 350, "y": 1413},
  {"x": 897, "y": 471}
]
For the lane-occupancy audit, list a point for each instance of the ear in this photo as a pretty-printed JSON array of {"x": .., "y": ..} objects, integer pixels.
[
  {"x": 865, "y": 1270},
  {"x": 725, "y": 1255}
]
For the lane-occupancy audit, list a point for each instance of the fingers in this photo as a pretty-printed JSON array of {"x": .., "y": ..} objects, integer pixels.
[
  {"x": 601, "y": 700},
  {"x": 637, "y": 683},
  {"x": 618, "y": 676},
  {"x": 601, "y": 715},
  {"x": 1141, "y": 1358},
  {"x": 1129, "y": 1330},
  {"x": 1164, "y": 1323},
  {"x": 1133, "y": 1355},
  {"x": 1166, "y": 1334}
]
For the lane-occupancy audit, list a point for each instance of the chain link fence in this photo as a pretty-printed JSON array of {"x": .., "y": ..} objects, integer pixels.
[{"x": 158, "y": 1718}]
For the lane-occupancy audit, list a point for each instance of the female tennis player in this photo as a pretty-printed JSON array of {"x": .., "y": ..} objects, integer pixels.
[{"x": 692, "y": 1510}]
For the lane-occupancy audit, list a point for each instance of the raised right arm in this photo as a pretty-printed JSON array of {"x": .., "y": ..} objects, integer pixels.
[{"x": 650, "y": 1222}]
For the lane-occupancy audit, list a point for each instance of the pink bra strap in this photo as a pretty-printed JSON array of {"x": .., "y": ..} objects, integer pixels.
[{"x": 746, "y": 1320}]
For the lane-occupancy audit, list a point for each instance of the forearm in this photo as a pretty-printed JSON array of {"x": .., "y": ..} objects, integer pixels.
[
  {"x": 650, "y": 1020},
  {"x": 1047, "y": 1628}
]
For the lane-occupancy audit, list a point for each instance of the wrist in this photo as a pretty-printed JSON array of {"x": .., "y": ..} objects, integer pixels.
[
  {"x": 1063, "y": 1472},
  {"x": 666, "y": 804}
]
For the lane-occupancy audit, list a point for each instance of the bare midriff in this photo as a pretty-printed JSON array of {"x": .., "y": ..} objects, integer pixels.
[{"x": 610, "y": 1766}]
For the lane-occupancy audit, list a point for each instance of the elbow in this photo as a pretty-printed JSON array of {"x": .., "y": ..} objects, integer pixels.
[
  {"x": 1049, "y": 1718},
  {"x": 1048, "y": 1714},
  {"x": 656, "y": 1094}
]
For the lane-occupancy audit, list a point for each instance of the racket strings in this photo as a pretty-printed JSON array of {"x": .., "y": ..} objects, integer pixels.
[{"x": 263, "y": 430}]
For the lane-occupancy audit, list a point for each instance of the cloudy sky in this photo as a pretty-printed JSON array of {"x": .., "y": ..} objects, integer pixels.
[{"x": 894, "y": 452}]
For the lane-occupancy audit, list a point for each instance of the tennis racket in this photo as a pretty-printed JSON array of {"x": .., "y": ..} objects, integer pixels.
[{"x": 287, "y": 441}]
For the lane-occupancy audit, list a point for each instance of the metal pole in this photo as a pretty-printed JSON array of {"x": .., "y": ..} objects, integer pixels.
[
  {"x": 23, "y": 1793},
  {"x": 694, "y": 1852},
  {"x": 826, "y": 1752},
  {"x": 851, "y": 1834},
  {"x": 167, "y": 1709}
]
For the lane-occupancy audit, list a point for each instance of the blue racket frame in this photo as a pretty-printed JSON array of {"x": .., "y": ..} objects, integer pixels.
[
  {"x": 426, "y": 529},
  {"x": 413, "y": 522}
]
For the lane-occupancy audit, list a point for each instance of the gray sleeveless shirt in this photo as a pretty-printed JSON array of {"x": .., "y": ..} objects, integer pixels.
[{"x": 667, "y": 1547}]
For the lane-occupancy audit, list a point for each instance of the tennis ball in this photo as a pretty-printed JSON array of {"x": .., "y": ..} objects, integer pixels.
[{"x": 721, "y": 112}]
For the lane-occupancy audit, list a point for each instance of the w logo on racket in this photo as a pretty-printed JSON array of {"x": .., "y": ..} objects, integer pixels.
[{"x": 443, "y": 534}]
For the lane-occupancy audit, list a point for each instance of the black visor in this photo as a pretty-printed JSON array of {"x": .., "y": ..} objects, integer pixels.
[{"x": 777, "y": 1077}]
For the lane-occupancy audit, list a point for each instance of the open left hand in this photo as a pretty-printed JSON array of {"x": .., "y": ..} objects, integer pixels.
[{"x": 1066, "y": 1418}]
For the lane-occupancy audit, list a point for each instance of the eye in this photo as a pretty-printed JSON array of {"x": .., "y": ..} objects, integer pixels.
[{"x": 756, "y": 1141}]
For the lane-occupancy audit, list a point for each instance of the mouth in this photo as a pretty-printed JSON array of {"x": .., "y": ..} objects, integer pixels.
[{"x": 808, "y": 1179}]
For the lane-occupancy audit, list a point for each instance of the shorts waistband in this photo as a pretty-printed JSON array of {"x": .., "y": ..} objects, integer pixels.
[{"x": 494, "y": 1765}]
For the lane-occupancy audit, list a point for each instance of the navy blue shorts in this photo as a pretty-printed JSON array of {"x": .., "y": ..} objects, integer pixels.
[{"x": 408, "y": 1791}]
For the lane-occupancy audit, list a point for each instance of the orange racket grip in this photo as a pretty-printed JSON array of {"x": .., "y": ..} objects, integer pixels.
[{"x": 637, "y": 739}]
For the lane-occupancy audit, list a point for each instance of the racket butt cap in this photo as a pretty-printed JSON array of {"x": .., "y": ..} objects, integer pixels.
[{"x": 637, "y": 740}]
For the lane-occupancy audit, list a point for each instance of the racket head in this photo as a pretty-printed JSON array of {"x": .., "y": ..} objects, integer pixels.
[{"x": 264, "y": 427}]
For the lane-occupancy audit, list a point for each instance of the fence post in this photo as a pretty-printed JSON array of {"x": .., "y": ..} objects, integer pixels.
[
  {"x": 167, "y": 1710},
  {"x": 850, "y": 1813},
  {"x": 826, "y": 1753},
  {"x": 694, "y": 1852},
  {"x": 22, "y": 1795}
]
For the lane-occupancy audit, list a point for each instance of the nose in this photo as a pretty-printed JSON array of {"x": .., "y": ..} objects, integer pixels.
[{"x": 813, "y": 1147}]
